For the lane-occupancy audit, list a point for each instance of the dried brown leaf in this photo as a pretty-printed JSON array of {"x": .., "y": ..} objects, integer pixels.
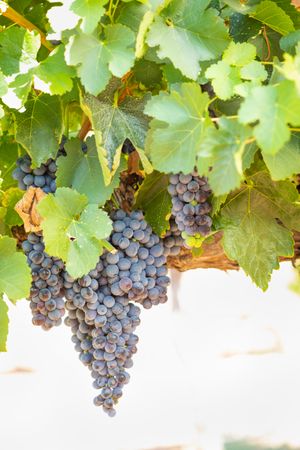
[{"x": 26, "y": 208}]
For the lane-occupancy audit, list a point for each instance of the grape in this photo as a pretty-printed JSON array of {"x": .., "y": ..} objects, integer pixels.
[
  {"x": 46, "y": 303},
  {"x": 190, "y": 209},
  {"x": 42, "y": 177}
]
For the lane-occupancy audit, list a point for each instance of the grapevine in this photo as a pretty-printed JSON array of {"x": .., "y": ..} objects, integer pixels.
[{"x": 137, "y": 136}]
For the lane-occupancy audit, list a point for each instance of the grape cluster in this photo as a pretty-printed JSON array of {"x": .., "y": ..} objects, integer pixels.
[
  {"x": 172, "y": 241},
  {"x": 103, "y": 328},
  {"x": 190, "y": 207},
  {"x": 42, "y": 177},
  {"x": 46, "y": 301},
  {"x": 138, "y": 268}
]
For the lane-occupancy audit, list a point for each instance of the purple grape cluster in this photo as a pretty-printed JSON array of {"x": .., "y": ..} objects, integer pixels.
[
  {"x": 103, "y": 328},
  {"x": 138, "y": 268},
  {"x": 42, "y": 177},
  {"x": 172, "y": 241},
  {"x": 46, "y": 294},
  {"x": 190, "y": 206}
]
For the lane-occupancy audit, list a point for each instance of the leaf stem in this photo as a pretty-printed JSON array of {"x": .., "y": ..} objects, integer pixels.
[
  {"x": 11, "y": 14},
  {"x": 85, "y": 128}
]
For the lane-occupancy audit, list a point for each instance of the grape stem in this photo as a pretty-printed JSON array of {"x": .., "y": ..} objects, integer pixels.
[{"x": 14, "y": 16}]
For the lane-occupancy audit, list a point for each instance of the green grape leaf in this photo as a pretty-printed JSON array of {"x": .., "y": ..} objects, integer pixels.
[
  {"x": 174, "y": 137},
  {"x": 153, "y": 198},
  {"x": 73, "y": 229},
  {"x": 148, "y": 73},
  {"x": 113, "y": 123},
  {"x": 274, "y": 107},
  {"x": 4, "y": 322},
  {"x": 18, "y": 50},
  {"x": 239, "y": 54},
  {"x": 270, "y": 14},
  {"x": 9, "y": 199},
  {"x": 39, "y": 128},
  {"x": 188, "y": 33},
  {"x": 3, "y": 85},
  {"x": 287, "y": 161},
  {"x": 131, "y": 14},
  {"x": 97, "y": 60},
  {"x": 82, "y": 172},
  {"x": 90, "y": 11},
  {"x": 8, "y": 157},
  {"x": 224, "y": 79},
  {"x": 15, "y": 276},
  {"x": 289, "y": 42},
  {"x": 238, "y": 64},
  {"x": 291, "y": 67},
  {"x": 53, "y": 76},
  {"x": 252, "y": 235},
  {"x": 225, "y": 147},
  {"x": 243, "y": 27}
]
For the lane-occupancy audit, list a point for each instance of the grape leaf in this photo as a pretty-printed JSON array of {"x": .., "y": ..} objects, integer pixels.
[
  {"x": 73, "y": 229},
  {"x": 113, "y": 123},
  {"x": 53, "y": 76},
  {"x": 174, "y": 138},
  {"x": 4, "y": 321},
  {"x": 8, "y": 157},
  {"x": 153, "y": 198},
  {"x": 288, "y": 43},
  {"x": 252, "y": 235},
  {"x": 18, "y": 50},
  {"x": 243, "y": 27},
  {"x": 97, "y": 60},
  {"x": 287, "y": 161},
  {"x": 148, "y": 73},
  {"x": 39, "y": 128},
  {"x": 274, "y": 17},
  {"x": 188, "y": 33},
  {"x": 90, "y": 11},
  {"x": 82, "y": 172},
  {"x": 15, "y": 276},
  {"x": 274, "y": 107},
  {"x": 225, "y": 147},
  {"x": 291, "y": 67},
  {"x": 238, "y": 64},
  {"x": 9, "y": 200}
]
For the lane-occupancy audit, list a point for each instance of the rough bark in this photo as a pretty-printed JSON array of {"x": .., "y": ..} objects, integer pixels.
[{"x": 213, "y": 257}]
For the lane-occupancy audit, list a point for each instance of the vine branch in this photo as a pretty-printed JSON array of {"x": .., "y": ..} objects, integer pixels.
[{"x": 14, "y": 16}]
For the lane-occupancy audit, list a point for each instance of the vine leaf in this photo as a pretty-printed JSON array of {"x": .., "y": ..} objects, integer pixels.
[
  {"x": 73, "y": 229},
  {"x": 286, "y": 162},
  {"x": 177, "y": 130},
  {"x": 53, "y": 76},
  {"x": 238, "y": 64},
  {"x": 15, "y": 277},
  {"x": 252, "y": 234},
  {"x": 291, "y": 67},
  {"x": 9, "y": 200},
  {"x": 82, "y": 172},
  {"x": 4, "y": 322},
  {"x": 18, "y": 50},
  {"x": 270, "y": 14},
  {"x": 113, "y": 123},
  {"x": 97, "y": 60},
  {"x": 267, "y": 104},
  {"x": 225, "y": 148},
  {"x": 90, "y": 11},
  {"x": 187, "y": 25},
  {"x": 39, "y": 128},
  {"x": 153, "y": 198},
  {"x": 8, "y": 157}
]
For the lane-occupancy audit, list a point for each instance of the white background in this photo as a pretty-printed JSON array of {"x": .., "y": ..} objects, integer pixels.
[{"x": 225, "y": 365}]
